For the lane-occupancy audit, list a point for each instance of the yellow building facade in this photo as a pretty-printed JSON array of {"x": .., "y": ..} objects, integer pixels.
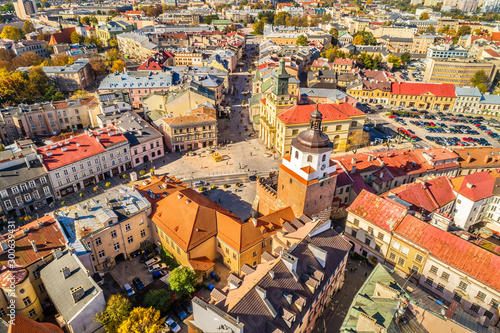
[{"x": 407, "y": 257}]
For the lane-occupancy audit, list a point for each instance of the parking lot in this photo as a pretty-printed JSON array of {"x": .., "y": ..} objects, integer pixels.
[{"x": 442, "y": 129}]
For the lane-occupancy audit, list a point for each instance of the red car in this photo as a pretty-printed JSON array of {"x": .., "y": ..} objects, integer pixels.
[
  {"x": 393, "y": 116},
  {"x": 477, "y": 125},
  {"x": 465, "y": 138}
]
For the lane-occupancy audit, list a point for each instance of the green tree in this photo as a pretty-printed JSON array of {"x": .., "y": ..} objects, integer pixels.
[
  {"x": 8, "y": 7},
  {"x": 118, "y": 66},
  {"x": 92, "y": 40},
  {"x": 281, "y": 18},
  {"x": 464, "y": 30},
  {"x": 10, "y": 32},
  {"x": 302, "y": 40},
  {"x": 76, "y": 38},
  {"x": 117, "y": 310},
  {"x": 430, "y": 29},
  {"x": 367, "y": 37},
  {"x": 405, "y": 57},
  {"x": 480, "y": 80},
  {"x": 258, "y": 27},
  {"x": 113, "y": 43},
  {"x": 158, "y": 299},
  {"x": 28, "y": 27},
  {"x": 182, "y": 281},
  {"x": 424, "y": 16},
  {"x": 335, "y": 36},
  {"x": 210, "y": 18},
  {"x": 394, "y": 60}
]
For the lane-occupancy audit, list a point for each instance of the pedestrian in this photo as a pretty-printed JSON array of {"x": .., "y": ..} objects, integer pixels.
[
  {"x": 366, "y": 273},
  {"x": 250, "y": 153}
]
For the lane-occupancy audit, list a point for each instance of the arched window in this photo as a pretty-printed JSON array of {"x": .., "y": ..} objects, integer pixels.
[
  {"x": 296, "y": 155},
  {"x": 309, "y": 158},
  {"x": 324, "y": 158},
  {"x": 336, "y": 142}
]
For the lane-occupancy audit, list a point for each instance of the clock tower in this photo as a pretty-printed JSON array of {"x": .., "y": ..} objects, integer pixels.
[
  {"x": 281, "y": 78},
  {"x": 307, "y": 178}
]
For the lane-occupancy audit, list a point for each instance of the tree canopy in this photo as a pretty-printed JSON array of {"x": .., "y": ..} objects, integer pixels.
[
  {"x": 141, "y": 320},
  {"x": 28, "y": 27},
  {"x": 182, "y": 281},
  {"x": 480, "y": 80},
  {"x": 10, "y": 32},
  {"x": 117, "y": 310},
  {"x": 302, "y": 40},
  {"x": 158, "y": 299}
]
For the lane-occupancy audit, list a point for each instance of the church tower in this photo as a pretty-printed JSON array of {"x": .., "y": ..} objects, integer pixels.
[{"x": 307, "y": 178}]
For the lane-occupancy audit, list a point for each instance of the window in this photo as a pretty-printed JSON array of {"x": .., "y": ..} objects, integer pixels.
[
  {"x": 41, "y": 287},
  {"x": 395, "y": 245},
  {"x": 404, "y": 250},
  {"x": 101, "y": 254},
  {"x": 113, "y": 233},
  {"x": 32, "y": 313},
  {"x": 445, "y": 276},
  {"x": 488, "y": 314},
  {"x": 46, "y": 190},
  {"x": 462, "y": 285},
  {"x": 58, "y": 175},
  {"x": 392, "y": 256},
  {"x": 8, "y": 204},
  {"x": 401, "y": 262},
  {"x": 19, "y": 201},
  {"x": 494, "y": 303},
  {"x": 380, "y": 236},
  {"x": 32, "y": 183},
  {"x": 354, "y": 233},
  {"x": 143, "y": 233},
  {"x": 429, "y": 281},
  {"x": 3, "y": 193},
  {"x": 309, "y": 158},
  {"x": 98, "y": 241},
  {"x": 474, "y": 307},
  {"x": 481, "y": 296},
  {"x": 254, "y": 253},
  {"x": 415, "y": 269},
  {"x": 377, "y": 248},
  {"x": 27, "y": 301},
  {"x": 338, "y": 128},
  {"x": 440, "y": 287},
  {"x": 419, "y": 258},
  {"x": 264, "y": 244},
  {"x": 36, "y": 195},
  {"x": 36, "y": 274},
  {"x": 116, "y": 246},
  {"x": 457, "y": 298},
  {"x": 370, "y": 230},
  {"x": 130, "y": 239},
  {"x": 356, "y": 222},
  {"x": 15, "y": 189},
  {"x": 2, "y": 312},
  {"x": 127, "y": 227},
  {"x": 433, "y": 270}
]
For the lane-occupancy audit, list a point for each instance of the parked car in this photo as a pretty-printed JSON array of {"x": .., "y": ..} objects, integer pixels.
[
  {"x": 158, "y": 274},
  {"x": 138, "y": 283},
  {"x": 146, "y": 255},
  {"x": 186, "y": 305},
  {"x": 157, "y": 267},
  {"x": 180, "y": 313},
  {"x": 152, "y": 261},
  {"x": 199, "y": 183},
  {"x": 215, "y": 276},
  {"x": 172, "y": 324},
  {"x": 135, "y": 253},
  {"x": 128, "y": 289}
]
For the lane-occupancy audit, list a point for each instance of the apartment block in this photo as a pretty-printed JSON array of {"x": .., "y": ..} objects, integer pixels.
[{"x": 457, "y": 71}]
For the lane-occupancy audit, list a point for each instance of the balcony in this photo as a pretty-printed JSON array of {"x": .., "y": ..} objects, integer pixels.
[{"x": 267, "y": 124}]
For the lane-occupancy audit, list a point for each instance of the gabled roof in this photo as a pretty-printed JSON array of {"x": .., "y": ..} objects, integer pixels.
[
  {"x": 384, "y": 213},
  {"x": 417, "y": 89},
  {"x": 195, "y": 219},
  {"x": 300, "y": 114},
  {"x": 453, "y": 250},
  {"x": 23, "y": 324},
  {"x": 475, "y": 186}
]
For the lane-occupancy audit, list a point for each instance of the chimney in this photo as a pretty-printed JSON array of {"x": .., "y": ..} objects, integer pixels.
[
  {"x": 271, "y": 274},
  {"x": 27, "y": 162},
  {"x": 353, "y": 169},
  {"x": 470, "y": 185},
  {"x": 254, "y": 220},
  {"x": 66, "y": 272},
  {"x": 77, "y": 293},
  {"x": 353, "y": 161},
  {"x": 382, "y": 174},
  {"x": 58, "y": 253},
  {"x": 98, "y": 139},
  {"x": 486, "y": 158},
  {"x": 261, "y": 291},
  {"x": 34, "y": 246}
]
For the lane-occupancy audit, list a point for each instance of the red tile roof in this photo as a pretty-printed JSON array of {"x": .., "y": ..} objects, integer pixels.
[
  {"x": 61, "y": 37},
  {"x": 377, "y": 210},
  {"x": 56, "y": 157},
  {"x": 492, "y": 53},
  {"x": 453, "y": 250},
  {"x": 475, "y": 186},
  {"x": 340, "y": 61},
  {"x": 429, "y": 195},
  {"x": 417, "y": 89},
  {"x": 109, "y": 136},
  {"x": 23, "y": 325},
  {"x": 46, "y": 238},
  {"x": 300, "y": 114}
]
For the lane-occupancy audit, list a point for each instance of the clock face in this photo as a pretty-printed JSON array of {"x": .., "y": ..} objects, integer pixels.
[{"x": 323, "y": 167}]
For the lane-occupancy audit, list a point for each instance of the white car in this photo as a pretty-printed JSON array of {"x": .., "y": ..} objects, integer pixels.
[
  {"x": 128, "y": 289},
  {"x": 199, "y": 183},
  {"x": 152, "y": 261},
  {"x": 172, "y": 324},
  {"x": 156, "y": 267}
]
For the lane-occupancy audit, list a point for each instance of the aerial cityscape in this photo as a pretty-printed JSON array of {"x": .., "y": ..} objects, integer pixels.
[{"x": 256, "y": 166}]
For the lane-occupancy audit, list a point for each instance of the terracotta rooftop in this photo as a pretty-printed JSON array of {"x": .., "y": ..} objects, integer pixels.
[
  {"x": 429, "y": 195},
  {"x": 109, "y": 136},
  {"x": 418, "y": 89},
  {"x": 475, "y": 186},
  {"x": 488, "y": 157},
  {"x": 69, "y": 151},
  {"x": 195, "y": 219},
  {"x": 201, "y": 114},
  {"x": 24, "y": 324},
  {"x": 453, "y": 250},
  {"x": 300, "y": 114},
  {"x": 377, "y": 210},
  {"x": 158, "y": 188}
]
